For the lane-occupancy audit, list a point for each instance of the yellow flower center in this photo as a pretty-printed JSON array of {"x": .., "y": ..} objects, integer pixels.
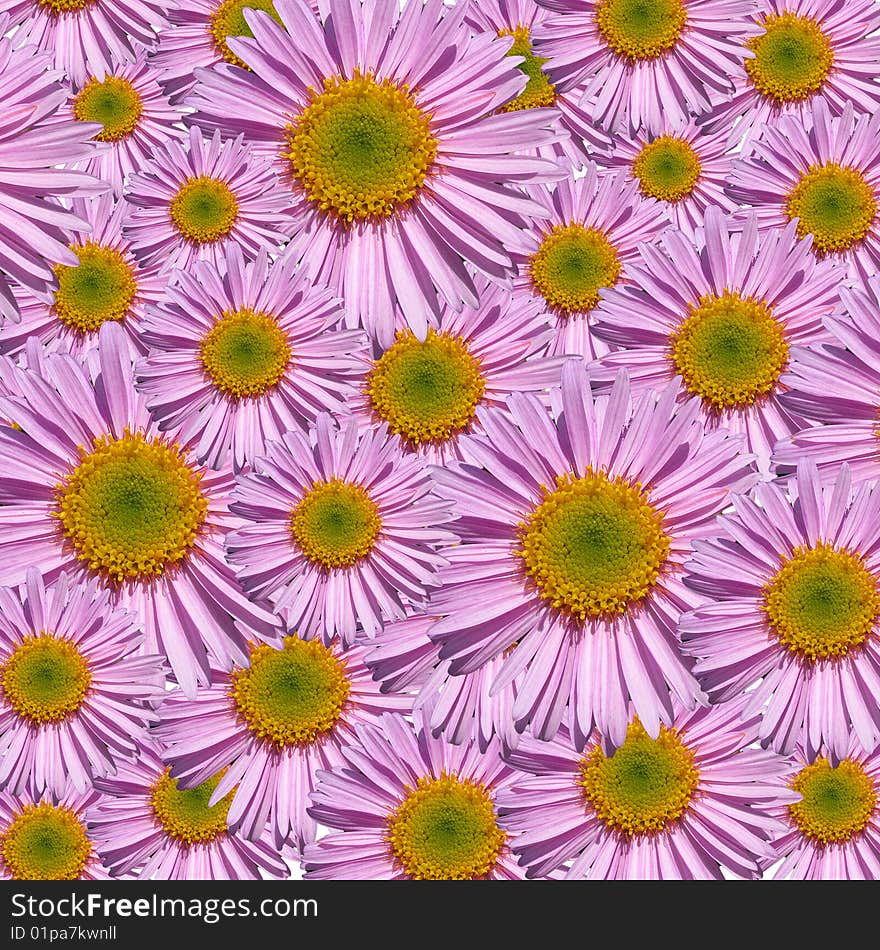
[
  {"x": 539, "y": 90},
  {"x": 228, "y": 20},
  {"x": 792, "y": 58},
  {"x": 445, "y": 830},
  {"x": 132, "y": 507},
  {"x": 292, "y": 696},
  {"x": 837, "y": 803},
  {"x": 245, "y": 353},
  {"x": 640, "y": 29},
  {"x": 426, "y": 390},
  {"x": 833, "y": 203},
  {"x": 184, "y": 813},
  {"x": 667, "y": 169},
  {"x": 45, "y": 679},
  {"x": 730, "y": 351},
  {"x": 45, "y": 843},
  {"x": 571, "y": 266},
  {"x": 645, "y": 786},
  {"x": 57, "y": 7},
  {"x": 101, "y": 287},
  {"x": 335, "y": 524},
  {"x": 361, "y": 150},
  {"x": 594, "y": 546},
  {"x": 204, "y": 209},
  {"x": 822, "y": 603},
  {"x": 114, "y": 102}
]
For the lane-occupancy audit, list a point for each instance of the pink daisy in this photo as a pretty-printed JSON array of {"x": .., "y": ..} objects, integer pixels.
[
  {"x": 795, "y": 609},
  {"x": 34, "y": 228},
  {"x": 805, "y": 50},
  {"x": 574, "y": 528},
  {"x": 73, "y": 685},
  {"x": 594, "y": 227},
  {"x": 427, "y": 391},
  {"x": 384, "y": 127},
  {"x": 90, "y": 487},
  {"x": 341, "y": 529},
  {"x": 822, "y": 172},
  {"x": 146, "y": 825},
  {"x": 838, "y": 386},
  {"x": 240, "y": 353},
  {"x": 407, "y": 806},
  {"x": 106, "y": 283},
  {"x": 832, "y": 833},
  {"x": 198, "y": 197},
  {"x": 645, "y": 64},
  {"x": 46, "y": 839},
  {"x": 682, "y": 805},
  {"x": 87, "y": 37},
  {"x": 270, "y": 726},
  {"x": 721, "y": 314}
]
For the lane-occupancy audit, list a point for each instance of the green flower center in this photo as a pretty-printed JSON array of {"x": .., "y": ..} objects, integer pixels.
[
  {"x": 204, "y": 209},
  {"x": 45, "y": 843},
  {"x": 837, "y": 803},
  {"x": 822, "y": 603},
  {"x": 792, "y": 58},
  {"x": 184, "y": 813},
  {"x": 594, "y": 547},
  {"x": 114, "y": 102},
  {"x": 101, "y": 287},
  {"x": 245, "y": 353},
  {"x": 45, "y": 679},
  {"x": 539, "y": 90},
  {"x": 445, "y": 829},
  {"x": 640, "y": 29},
  {"x": 730, "y": 351},
  {"x": 667, "y": 169},
  {"x": 228, "y": 20},
  {"x": 291, "y": 696}
]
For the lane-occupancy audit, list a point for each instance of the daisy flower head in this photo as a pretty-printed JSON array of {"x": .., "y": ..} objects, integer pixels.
[
  {"x": 269, "y": 726},
  {"x": 87, "y": 37},
  {"x": 35, "y": 228},
  {"x": 685, "y": 169},
  {"x": 644, "y": 63},
  {"x": 340, "y": 528},
  {"x": 408, "y": 806},
  {"x": 385, "y": 130},
  {"x": 201, "y": 195},
  {"x": 574, "y": 526},
  {"x": 147, "y": 826},
  {"x": 242, "y": 352},
  {"x": 91, "y": 487},
  {"x": 593, "y": 228},
  {"x": 105, "y": 283},
  {"x": 837, "y": 384},
  {"x": 824, "y": 173},
  {"x": 804, "y": 51},
  {"x": 47, "y": 839},
  {"x": 681, "y": 805},
  {"x": 720, "y": 313},
  {"x": 794, "y": 607},
  {"x": 73, "y": 685},
  {"x": 427, "y": 391},
  {"x": 832, "y": 832}
]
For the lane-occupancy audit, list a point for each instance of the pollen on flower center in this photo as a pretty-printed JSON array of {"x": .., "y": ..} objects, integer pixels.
[
  {"x": 833, "y": 203},
  {"x": 646, "y": 785},
  {"x": 426, "y": 390},
  {"x": 228, "y": 20},
  {"x": 45, "y": 679},
  {"x": 184, "y": 813},
  {"x": 792, "y": 58},
  {"x": 640, "y": 29},
  {"x": 132, "y": 507},
  {"x": 594, "y": 546},
  {"x": 114, "y": 102},
  {"x": 822, "y": 603},
  {"x": 571, "y": 266},
  {"x": 837, "y": 803},
  {"x": 45, "y": 843},
  {"x": 101, "y": 287},
  {"x": 667, "y": 169},
  {"x": 58, "y": 7},
  {"x": 445, "y": 829},
  {"x": 361, "y": 150},
  {"x": 245, "y": 353},
  {"x": 292, "y": 696},
  {"x": 335, "y": 524},
  {"x": 730, "y": 351},
  {"x": 204, "y": 209},
  {"x": 539, "y": 90}
]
